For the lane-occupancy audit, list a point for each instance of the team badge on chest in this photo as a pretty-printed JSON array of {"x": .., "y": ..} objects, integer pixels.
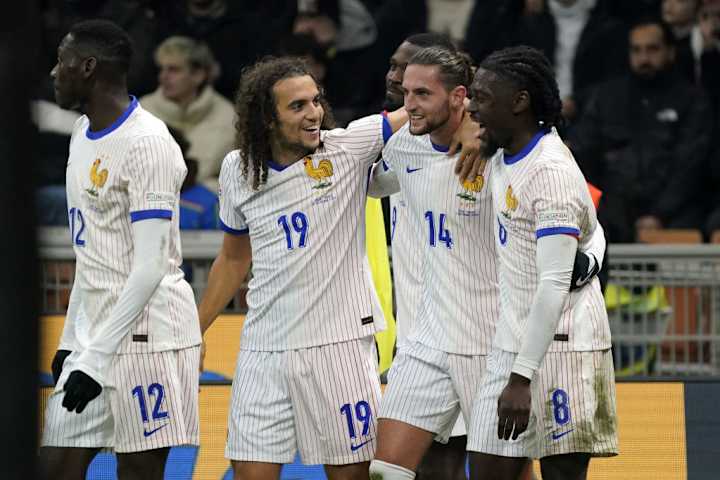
[
  {"x": 98, "y": 177},
  {"x": 321, "y": 173}
]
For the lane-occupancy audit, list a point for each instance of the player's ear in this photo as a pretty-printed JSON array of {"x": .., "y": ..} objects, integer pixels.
[
  {"x": 457, "y": 96},
  {"x": 521, "y": 102},
  {"x": 88, "y": 66}
]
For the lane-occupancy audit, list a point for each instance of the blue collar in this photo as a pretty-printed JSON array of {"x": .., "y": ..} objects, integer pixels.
[
  {"x": 509, "y": 160},
  {"x": 440, "y": 148},
  {"x": 276, "y": 166},
  {"x": 116, "y": 124}
]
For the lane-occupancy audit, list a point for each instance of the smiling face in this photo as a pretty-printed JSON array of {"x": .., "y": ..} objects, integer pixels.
[
  {"x": 492, "y": 106},
  {"x": 299, "y": 115},
  {"x": 395, "y": 75},
  {"x": 70, "y": 75},
  {"x": 426, "y": 100}
]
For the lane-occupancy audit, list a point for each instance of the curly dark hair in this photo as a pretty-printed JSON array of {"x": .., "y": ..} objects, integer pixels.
[
  {"x": 529, "y": 69},
  {"x": 256, "y": 110}
]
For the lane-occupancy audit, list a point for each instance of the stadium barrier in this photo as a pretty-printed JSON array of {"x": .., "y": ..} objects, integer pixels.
[{"x": 663, "y": 301}]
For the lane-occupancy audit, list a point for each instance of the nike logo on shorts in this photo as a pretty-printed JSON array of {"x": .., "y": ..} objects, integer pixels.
[
  {"x": 411, "y": 170},
  {"x": 147, "y": 434},
  {"x": 556, "y": 436},
  {"x": 360, "y": 445}
]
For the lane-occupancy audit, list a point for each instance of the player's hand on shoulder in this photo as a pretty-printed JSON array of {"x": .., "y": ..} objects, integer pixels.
[
  {"x": 80, "y": 389},
  {"x": 585, "y": 268},
  {"x": 469, "y": 139},
  {"x": 57, "y": 364}
]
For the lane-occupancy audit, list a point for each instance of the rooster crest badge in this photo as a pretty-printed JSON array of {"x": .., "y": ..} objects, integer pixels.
[
  {"x": 470, "y": 188},
  {"x": 97, "y": 178},
  {"x": 321, "y": 173}
]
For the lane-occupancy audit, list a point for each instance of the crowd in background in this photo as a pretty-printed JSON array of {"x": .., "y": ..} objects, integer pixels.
[{"x": 640, "y": 83}]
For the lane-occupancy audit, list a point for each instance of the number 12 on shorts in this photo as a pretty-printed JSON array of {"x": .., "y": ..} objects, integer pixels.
[
  {"x": 362, "y": 413},
  {"x": 156, "y": 392}
]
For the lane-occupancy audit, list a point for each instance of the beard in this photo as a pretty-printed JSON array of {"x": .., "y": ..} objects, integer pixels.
[{"x": 391, "y": 104}]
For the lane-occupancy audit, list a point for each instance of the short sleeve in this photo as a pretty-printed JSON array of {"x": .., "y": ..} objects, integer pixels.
[
  {"x": 231, "y": 218},
  {"x": 155, "y": 173},
  {"x": 556, "y": 199},
  {"x": 363, "y": 138}
]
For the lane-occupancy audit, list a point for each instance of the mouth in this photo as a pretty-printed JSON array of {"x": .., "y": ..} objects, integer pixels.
[
  {"x": 313, "y": 131},
  {"x": 393, "y": 90}
]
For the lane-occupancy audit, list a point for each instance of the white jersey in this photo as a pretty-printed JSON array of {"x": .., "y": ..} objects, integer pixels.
[
  {"x": 311, "y": 283},
  {"x": 541, "y": 191},
  {"x": 406, "y": 266},
  {"x": 453, "y": 224},
  {"x": 132, "y": 170}
]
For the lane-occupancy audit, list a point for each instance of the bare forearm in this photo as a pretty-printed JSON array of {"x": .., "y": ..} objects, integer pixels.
[{"x": 226, "y": 277}]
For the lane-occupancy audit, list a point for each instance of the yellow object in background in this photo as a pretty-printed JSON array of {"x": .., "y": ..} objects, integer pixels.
[{"x": 377, "y": 252}]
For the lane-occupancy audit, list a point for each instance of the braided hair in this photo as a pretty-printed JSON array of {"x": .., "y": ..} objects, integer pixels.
[{"x": 529, "y": 69}]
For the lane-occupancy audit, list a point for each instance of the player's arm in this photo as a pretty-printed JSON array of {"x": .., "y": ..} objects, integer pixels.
[
  {"x": 383, "y": 181},
  {"x": 227, "y": 274},
  {"x": 151, "y": 240},
  {"x": 396, "y": 119},
  {"x": 554, "y": 262}
]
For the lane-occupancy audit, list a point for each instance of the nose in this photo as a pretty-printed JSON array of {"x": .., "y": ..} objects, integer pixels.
[
  {"x": 314, "y": 112},
  {"x": 53, "y": 72},
  {"x": 393, "y": 76},
  {"x": 410, "y": 103}
]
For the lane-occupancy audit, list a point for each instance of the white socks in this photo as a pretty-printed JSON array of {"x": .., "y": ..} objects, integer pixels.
[{"x": 380, "y": 470}]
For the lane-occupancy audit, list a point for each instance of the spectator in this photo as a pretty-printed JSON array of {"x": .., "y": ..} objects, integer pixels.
[
  {"x": 305, "y": 45},
  {"x": 712, "y": 223},
  {"x": 55, "y": 127},
  {"x": 644, "y": 140},
  {"x": 701, "y": 53},
  {"x": 186, "y": 100},
  {"x": 680, "y": 15},
  {"x": 198, "y": 205},
  {"x": 237, "y": 32},
  {"x": 584, "y": 43}
]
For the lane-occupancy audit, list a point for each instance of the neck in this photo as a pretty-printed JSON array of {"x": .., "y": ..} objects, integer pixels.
[
  {"x": 521, "y": 137},
  {"x": 105, "y": 105},
  {"x": 682, "y": 31},
  {"x": 186, "y": 101},
  {"x": 443, "y": 135},
  {"x": 285, "y": 155}
]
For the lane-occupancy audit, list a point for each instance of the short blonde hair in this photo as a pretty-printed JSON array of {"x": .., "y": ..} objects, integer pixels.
[{"x": 197, "y": 54}]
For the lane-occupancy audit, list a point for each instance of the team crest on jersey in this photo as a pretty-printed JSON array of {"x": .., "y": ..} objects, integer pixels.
[
  {"x": 511, "y": 203},
  {"x": 470, "y": 189},
  {"x": 97, "y": 178},
  {"x": 321, "y": 174}
]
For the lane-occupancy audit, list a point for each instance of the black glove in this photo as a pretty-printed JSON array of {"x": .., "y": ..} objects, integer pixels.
[
  {"x": 57, "y": 364},
  {"x": 582, "y": 274},
  {"x": 80, "y": 390}
]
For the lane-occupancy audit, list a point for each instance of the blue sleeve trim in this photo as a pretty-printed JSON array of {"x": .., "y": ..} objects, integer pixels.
[
  {"x": 544, "y": 232},
  {"x": 385, "y": 166},
  {"x": 145, "y": 214},
  {"x": 233, "y": 231},
  {"x": 387, "y": 129}
]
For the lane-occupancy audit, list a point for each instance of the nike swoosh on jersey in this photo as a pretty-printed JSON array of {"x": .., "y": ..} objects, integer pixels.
[
  {"x": 147, "y": 434},
  {"x": 555, "y": 436},
  {"x": 360, "y": 445},
  {"x": 411, "y": 170}
]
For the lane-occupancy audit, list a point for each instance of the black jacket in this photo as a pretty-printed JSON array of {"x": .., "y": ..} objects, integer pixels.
[{"x": 647, "y": 144}]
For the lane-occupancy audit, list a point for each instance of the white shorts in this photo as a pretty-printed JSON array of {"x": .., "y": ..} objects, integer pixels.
[
  {"x": 573, "y": 407},
  {"x": 153, "y": 404},
  {"x": 429, "y": 389},
  {"x": 318, "y": 401}
]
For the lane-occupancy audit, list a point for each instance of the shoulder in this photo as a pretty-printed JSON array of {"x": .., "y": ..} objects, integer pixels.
[{"x": 365, "y": 128}]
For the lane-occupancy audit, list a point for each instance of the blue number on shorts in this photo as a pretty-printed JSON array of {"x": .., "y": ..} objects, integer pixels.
[
  {"x": 561, "y": 409},
  {"x": 363, "y": 413},
  {"x": 76, "y": 220},
  {"x": 299, "y": 223},
  {"x": 443, "y": 233},
  {"x": 502, "y": 233},
  {"x": 156, "y": 391}
]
